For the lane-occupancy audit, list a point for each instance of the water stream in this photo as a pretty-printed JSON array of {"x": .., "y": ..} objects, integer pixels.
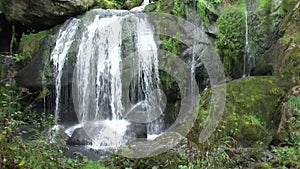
[{"x": 247, "y": 48}]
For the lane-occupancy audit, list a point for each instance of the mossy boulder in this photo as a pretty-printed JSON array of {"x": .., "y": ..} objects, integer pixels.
[
  {"x": 129, "y": 4},
  {"x": 30, "y": 44},
  {"x": 250, "y": 112},
  {"x": 106, "y": 4}
]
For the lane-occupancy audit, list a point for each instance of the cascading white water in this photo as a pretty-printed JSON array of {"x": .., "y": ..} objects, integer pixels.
[
  {"x": 100, "y": 44},
  {"x": 148, "y": 74},
  {"x": 141, "y": 8},
  {"x": 98, "y": 75},
  {"x": 58, "y": 56},
  {"x": 97, "y": 79}
]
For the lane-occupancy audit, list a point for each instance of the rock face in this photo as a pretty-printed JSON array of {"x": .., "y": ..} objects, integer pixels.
[
  {"x": 43, "y": 14},
  {"x": 137, "y": 130},
  {"x": 284, "y": 56},
  {"x": 79, "y": 137}
]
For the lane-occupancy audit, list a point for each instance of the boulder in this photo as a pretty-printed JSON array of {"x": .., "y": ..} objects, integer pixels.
[
  {"x": 250, "y": 117},
  {"x": 43, "y": 14},
  {"x": 136, "y": 130},
  {"x": 131, "y": 4},
  {"x": 79, "y": 137}
]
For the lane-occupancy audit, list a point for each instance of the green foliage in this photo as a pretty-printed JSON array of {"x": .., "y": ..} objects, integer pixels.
[
  {"x": 202, "y": 12},
  {"x": 172, "y": 45},
  {"x": 93, "y": 165},
  {"x": 217, "y": 155},
  {"x": 178, "y": 8},
  {"x": 231, "y": 40},
  {"x": 294, "y": 122},
  {"x": 35, "y": 152},
  {"x": 295, "y": 104},
  {"x": 287, "y": 157},
  {"x": 19, "y": 57}
]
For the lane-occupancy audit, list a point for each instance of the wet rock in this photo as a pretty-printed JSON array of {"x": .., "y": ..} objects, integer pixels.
[
  {"x": 212, "y": 30},
  {"x": 79, "y": 137},
  {"x": 137, "y": 130},
  {"x": 161, "y": 144}
]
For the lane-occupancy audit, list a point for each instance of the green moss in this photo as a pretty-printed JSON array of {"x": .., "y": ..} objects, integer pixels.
[
  {"x": 150, "y": 8},
  {"x": 106, "y": 4},
  {"x": 175, "y": 7},
  {"x": 249, "y": 112},
  {"x": 263, "y": 165},
  {"x": 30, "y": 44}
]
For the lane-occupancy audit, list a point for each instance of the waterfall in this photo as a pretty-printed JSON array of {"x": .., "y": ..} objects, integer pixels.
[
  {"x": 58, "y": 56},
  {"x": 148, "y": 74},
  {"x": 98, "y": 76},
  {"x": 146, "y": 2},
  {"x": 142, "y": 7},
  {"x": 98, "y": 60},
  {"x": 247, "y": 48}
]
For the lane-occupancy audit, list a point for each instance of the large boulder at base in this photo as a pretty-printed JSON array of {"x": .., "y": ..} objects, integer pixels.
[
  {"x": 136, "y": 130},
  {"x": 79, "y": 137},
  {"x": 43, "y": 14},
  {"x": 250, "y": 117}
]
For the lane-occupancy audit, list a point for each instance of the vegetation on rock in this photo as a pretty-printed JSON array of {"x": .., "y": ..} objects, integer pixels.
[{"x": 230, "y": 43}]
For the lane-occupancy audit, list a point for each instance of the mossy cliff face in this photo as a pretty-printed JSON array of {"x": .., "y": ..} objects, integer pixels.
[
  {"x": 257, "y": 21},
  {"x": 250, "y": 112},
  {"x": 284, "y": 56},
  {"x": 289, "y": 61}
]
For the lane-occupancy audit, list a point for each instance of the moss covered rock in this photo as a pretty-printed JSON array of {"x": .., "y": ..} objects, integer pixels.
[
  {"x": 129, "y": 4},
  {"x": 30, "y": 44},
  {"x": 106, "y": 4},
  {"x": 250, "y": 112}
]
